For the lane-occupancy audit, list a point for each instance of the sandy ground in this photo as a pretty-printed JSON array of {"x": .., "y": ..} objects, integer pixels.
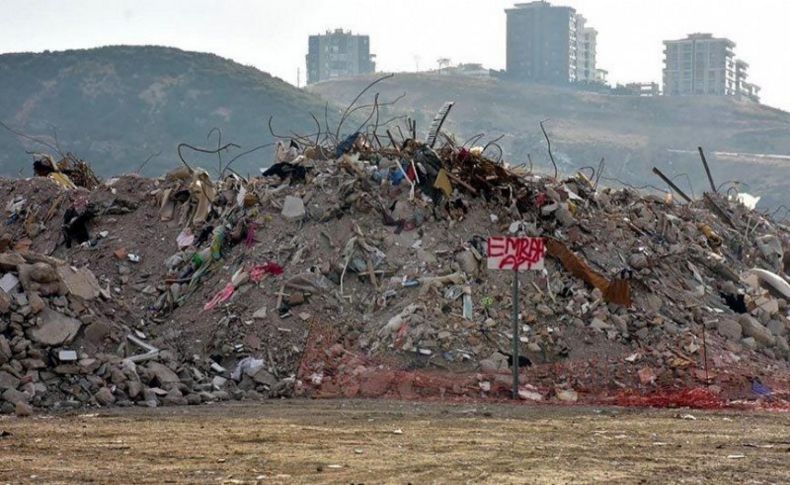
[{"x": 396, "y": 442}]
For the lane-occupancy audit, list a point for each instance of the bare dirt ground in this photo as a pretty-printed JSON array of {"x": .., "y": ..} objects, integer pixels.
[{"x": 396, "y": 442}]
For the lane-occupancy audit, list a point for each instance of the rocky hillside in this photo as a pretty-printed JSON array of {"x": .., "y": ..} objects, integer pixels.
[
  {"x": 631, "y": 133},
  {"x": 116, "y": 106}
]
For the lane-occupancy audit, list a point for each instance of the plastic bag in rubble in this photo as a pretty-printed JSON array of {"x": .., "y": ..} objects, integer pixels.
[
  {"x": 247, "y": 365},
  {"x": 308, "y": 282}
]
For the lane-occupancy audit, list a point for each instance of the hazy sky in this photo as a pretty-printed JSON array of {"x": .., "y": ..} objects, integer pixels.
[{"x": 272, "y": 34}]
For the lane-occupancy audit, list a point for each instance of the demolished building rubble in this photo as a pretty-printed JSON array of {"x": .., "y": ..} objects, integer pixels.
[{"x": 362, "y": 274}]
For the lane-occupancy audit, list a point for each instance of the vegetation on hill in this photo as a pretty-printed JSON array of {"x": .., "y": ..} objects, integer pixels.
[{"x": 116, "y": 106}]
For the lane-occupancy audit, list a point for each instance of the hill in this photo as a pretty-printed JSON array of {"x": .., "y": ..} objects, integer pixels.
[
  {"x": 632, "y": 133},
  {"x": 116, "y": 106}
]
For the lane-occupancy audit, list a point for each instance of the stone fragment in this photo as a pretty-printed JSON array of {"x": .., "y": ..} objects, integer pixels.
[
  {"x": 777, "y": 328},
  {"x": 752, "y": 328},
  {"x": 567, "y": 395},
  {"x": 293, "y": 208},
  {"x": 646, "y": 376},
  {"x": 36, "y": 303},
  {"x": 10, "y": 261},
  {"x": 104, "y": 396},
  {"x": 749, "y": 343},
  {"x": 260, "y": 313},
  {"x": 55, "y": 329},
  {"x": 162, "y": 374},
  {"x": 730, "y": 329},
  {"x": 80, "y": 282},
  {"x": 5, "y": 303},
  {"x": 133, "y": 389},
  {"x": 468, "y": 263},
  {"x": 8, "y": 381},
  {"x": 13, "y": 396},
  {"x": 638, "y": 261},
  {"x": 23, "y": 409},
  {"x": 264, "y": 377}
]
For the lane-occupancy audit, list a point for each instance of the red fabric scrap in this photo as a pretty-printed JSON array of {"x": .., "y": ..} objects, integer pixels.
[{"x": 258, "y": 271}]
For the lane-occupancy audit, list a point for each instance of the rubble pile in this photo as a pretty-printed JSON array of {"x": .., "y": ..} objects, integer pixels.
[{"x": 360, "y": 270}]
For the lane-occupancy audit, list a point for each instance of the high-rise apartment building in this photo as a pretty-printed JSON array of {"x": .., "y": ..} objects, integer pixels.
[
  {"x": 550, "y": 44},
  {"x": 702, "y": 64},
  {"x": 338, "y": 54}
]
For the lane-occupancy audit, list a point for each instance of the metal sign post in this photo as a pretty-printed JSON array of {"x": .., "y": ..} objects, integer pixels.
[
  {"x": 515, "y": 334},
  {"x": 517, "y": 254}
]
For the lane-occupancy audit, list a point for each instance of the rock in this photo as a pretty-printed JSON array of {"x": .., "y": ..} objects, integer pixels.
[
  {"x": 564, "y": 216},
  {"x": 218, "y": 382},
  {"x": 104, "y": 396},
  {"x": 749, "y": 343},
  {"x": 638, "y": 261},
  {"x": 529, "y": 395},
  {"x": 96, "y": 332},
  {"x": 23, "y": 409},
  {"x": 264, "y": 377},
  {"x": 80, "y": 282},
  {"x": 13, "y": 396},
  {"x": 567, "y": 395},
  {"x": 133, "y": 389},
  {"x": 293, "y": 208},
  {"x": 260, "y": 313},
  {"x": 771, "y": 247},
  {"x": 5, "y": 303},
  {"x": 10, "y": 261},
  {"x": 43, "y": 273},
  {"x": 730, "y": 329},
  {"x": 753, "y": 328},
  {"x": 375, "y": 383},
  {"x": 783, "y": 346},
  {"x": 5, "y": 350},
  {"x": 162, "y": 374},
  {"x": 646, "y": 376},
  {"x": 174, "y": 398},
  {"x": 777, "y": 328},
  {"x": 89, "y": 366},
  {"x": 193, "y": 399},
  {"x": 8, "y": 381},
  {"x": 488, "y": 366},
  {"x": 468, "y": 263},
  {"x": 36, "y": 303},
  {"x": 598, "y": 324},
  {"x": 56, "y": 329}
]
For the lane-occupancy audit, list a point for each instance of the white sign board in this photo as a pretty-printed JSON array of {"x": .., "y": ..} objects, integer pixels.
[{"x": 516, "y": 253}]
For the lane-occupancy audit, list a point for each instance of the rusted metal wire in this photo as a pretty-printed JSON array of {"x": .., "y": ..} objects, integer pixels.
[{"x": 551, "y": 156}]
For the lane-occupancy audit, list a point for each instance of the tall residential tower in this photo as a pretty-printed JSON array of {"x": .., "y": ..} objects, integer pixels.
[
  {"x": 338, "y": 54},
  {"x": 550, "y": 45},
  {"x": 702, "y": 64}
]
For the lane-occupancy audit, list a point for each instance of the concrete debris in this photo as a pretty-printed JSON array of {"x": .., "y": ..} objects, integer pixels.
[
  {"x": 55, "y": 329},
  {"x": 357, "y": 270}
]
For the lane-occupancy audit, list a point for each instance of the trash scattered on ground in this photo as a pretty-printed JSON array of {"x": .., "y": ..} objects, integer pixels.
[{"x": 356, "y": 269}]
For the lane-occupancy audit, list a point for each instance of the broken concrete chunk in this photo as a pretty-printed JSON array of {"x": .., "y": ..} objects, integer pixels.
[
  {"x": 8, "y": 381},
  {"x": 163, "y": 375},
  {"x": 730, "y": 329},
  {"x": 293, "y": 208},
  {"x": 80, "y": 282},
  {"x": 752, "y": 328},
  {"x": 56, "y": 329}
]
